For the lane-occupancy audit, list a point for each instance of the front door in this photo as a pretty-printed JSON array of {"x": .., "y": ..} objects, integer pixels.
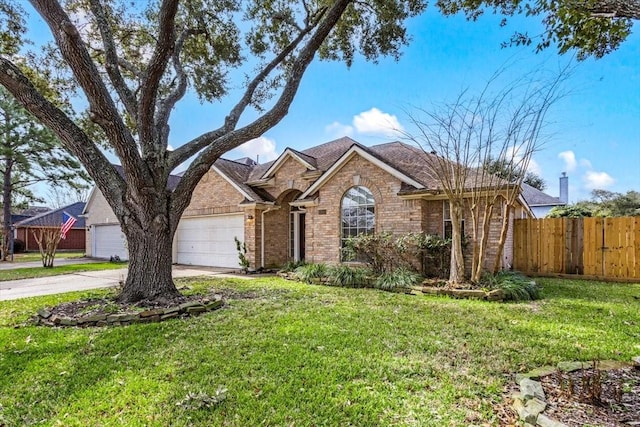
[{"x": 296, "y": 235}]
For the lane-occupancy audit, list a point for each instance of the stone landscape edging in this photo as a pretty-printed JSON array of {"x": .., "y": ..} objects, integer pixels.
[
  {"x": 153, "y": 315},
  {"x": 530, "y": 402}
]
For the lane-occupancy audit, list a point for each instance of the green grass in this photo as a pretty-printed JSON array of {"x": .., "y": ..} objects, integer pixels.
[
  {"x": 32, "y": 272},
  {"x": 35, "y": 256},
  {"x": 297, "y": 354}
]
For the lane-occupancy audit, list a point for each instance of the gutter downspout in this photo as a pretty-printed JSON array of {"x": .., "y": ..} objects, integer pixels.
[{"x": 271, "y": 208}]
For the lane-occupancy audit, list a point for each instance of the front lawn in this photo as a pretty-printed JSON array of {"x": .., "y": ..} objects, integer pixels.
[
  {"x": 56, "y": 270},
  {"x": 284, "y": 353},
  {"x": 35, "y": 256}
]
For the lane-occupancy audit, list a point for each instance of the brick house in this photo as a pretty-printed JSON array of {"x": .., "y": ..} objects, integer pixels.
[
  {"x": 300, "y": 206},
  {"x": 75, "y": 238}
]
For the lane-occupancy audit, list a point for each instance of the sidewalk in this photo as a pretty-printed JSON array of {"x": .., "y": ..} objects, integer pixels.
[{"x": 15, "y": 289}]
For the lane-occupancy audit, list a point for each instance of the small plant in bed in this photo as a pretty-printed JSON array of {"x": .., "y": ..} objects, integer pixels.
[
  {"x": 515, "y": 286},
  {"x": 349, "y": 277},
  {"x": 400, "y": 278}
]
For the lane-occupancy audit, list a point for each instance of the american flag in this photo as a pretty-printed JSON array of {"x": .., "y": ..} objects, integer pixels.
[{"x": 67, "y": 223}]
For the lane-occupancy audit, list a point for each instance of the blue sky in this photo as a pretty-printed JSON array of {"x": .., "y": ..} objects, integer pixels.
[{"x": 595, "y": 131}]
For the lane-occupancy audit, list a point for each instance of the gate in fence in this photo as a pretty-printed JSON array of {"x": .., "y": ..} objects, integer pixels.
[{"x": 602, "y": 247}]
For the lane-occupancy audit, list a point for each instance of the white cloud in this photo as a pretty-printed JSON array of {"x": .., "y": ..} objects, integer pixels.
[
  {"x": 338, "y": 129},
  {"x": 585, "y": 163},
  {"x": 262, "y": 146},
  {"x": 534, "y": 167},
  {"x": 375, "y": 121},
  {"x": 569, "y": 158},
  {"x": 371, "y": 122},
  {"x": 597, "y": 180}
]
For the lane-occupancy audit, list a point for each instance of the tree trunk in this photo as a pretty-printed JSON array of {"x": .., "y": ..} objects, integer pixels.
[
  {"x": 506, "y": 214},
  {"x": 150, "y": 256},
  {"x": 6, "y": 208},
  {"x": 456, "y": 272}
]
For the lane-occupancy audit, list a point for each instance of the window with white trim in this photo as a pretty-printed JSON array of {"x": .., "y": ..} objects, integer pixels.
[
  {"x": 357, "y": 213},
  {"x": 448, "y": 228}
]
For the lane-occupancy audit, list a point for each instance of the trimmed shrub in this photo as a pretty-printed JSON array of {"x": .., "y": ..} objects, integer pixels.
[
  {"x": 398, "y": 278},
  {"x": 349, "y": 277},
  {"x": 18, "y": 246}
]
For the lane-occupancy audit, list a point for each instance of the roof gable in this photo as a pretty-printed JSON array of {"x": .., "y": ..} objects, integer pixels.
[
  {"x": 306, "y": 160},
  {"x": 357, "y": 149},
  {"x": 535, "y": 197}
]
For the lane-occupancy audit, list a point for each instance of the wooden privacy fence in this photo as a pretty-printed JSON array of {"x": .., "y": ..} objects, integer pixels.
[{"x": 602, "y": 247}]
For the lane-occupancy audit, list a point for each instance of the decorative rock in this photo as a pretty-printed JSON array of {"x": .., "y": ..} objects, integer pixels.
[
  {"x": 495, "y": 295},
  {"x": 544, "y": 421},
  {"x": 169, "y": 316},
  {"x": 535, "y": 406},
  {"x": 195, "y": 310},
  {"x": 65, "y": 321},
  {"x": 44, "y": 313},
  {"x": 186, "y": 305},
  {"x": 112, "y": 318},
  {"x": 607, "y": 365},
  {"x": 214, "y": 305},
  {"x": 574, "y": 366},
  {"x": 531, "y": 389},
  {"x": 55, "y": 319},
  {"x": 95, "y": 318},
  {"x": 636, "y": 362},
  {"x": 149, "y": 313},
  {"x": 154, "y": 319},
  {"x": 101, "y": 323},
  {"x": 537, "y": 373},
  {"x": 170, "y": 310}
]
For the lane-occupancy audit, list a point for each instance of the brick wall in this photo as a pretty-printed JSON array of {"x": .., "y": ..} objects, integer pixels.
[{"x": 323, "y": 227}]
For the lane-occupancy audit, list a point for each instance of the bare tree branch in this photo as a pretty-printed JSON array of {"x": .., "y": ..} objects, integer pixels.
[
  {"x": 103, "y": 111},
  {"x": 157, "y": 65},
  {"x": 194, "y": 146},
  {"x": 112, "y": 64}
]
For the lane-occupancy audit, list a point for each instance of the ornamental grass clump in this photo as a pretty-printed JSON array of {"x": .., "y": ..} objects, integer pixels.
[
  {"x": 515, "y": 286},
  {"x": 397, "y": 279},
  {"x": 349, "y": 277},
  {"x": 310, "y": 272}
]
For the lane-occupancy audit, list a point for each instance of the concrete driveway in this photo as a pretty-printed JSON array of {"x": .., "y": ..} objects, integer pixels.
[{"x": 14, "y": 289}]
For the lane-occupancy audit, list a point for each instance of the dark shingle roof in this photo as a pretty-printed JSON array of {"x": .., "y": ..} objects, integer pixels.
[
  {"x": 53, "y": 218},
  {"x": 172, "y": 181},
  {"x": 239, "y": 174},
  {"x": 535, "y": 197}
]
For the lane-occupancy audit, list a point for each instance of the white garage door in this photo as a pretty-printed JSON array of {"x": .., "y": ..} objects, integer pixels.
[
  {"x": 209, "y": 240},
  {"x": 108, "y": 241}
]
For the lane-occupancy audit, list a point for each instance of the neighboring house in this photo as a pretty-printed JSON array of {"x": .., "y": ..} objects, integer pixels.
[
  {"x": 75, "y": 240},
  {"x": 300, "y": 206},
  {"x": 541, "y": 203}
]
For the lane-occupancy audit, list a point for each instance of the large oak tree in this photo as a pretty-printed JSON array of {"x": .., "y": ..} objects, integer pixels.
[
  {"x": 134, "y": 62},
  {"x": 590, "y": 27}
]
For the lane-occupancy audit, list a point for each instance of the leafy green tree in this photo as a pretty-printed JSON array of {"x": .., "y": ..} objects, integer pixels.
[
  {"x": 132, "y": 63},
  {"x": 603, "y": 203},
  {"x": 592, "y": 27},
  {"x": 503, "y": 169},
  {"x": 570, "y": 211},
  {"x": 29, "y": 154}
]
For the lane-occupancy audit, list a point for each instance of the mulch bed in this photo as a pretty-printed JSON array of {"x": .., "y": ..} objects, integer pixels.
[
  {"x": 109, "y": 305},
  {"x": 594, "y": 397}
]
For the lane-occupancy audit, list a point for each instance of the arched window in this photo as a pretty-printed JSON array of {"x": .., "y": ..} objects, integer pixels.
[{"x": 357, "y": 213}]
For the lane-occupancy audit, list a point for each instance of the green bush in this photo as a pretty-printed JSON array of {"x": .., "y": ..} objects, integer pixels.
[
  {"x": 515, "y": 286},
  {"x": 308, "y": 272},
  {"x": 290, "y": 266},
  {"x": 349, "y": 277},
  {"x": 398, "y": 278}
]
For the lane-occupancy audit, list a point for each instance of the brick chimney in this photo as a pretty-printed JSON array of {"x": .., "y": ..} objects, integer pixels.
[{"x": 564, "y": 188}]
